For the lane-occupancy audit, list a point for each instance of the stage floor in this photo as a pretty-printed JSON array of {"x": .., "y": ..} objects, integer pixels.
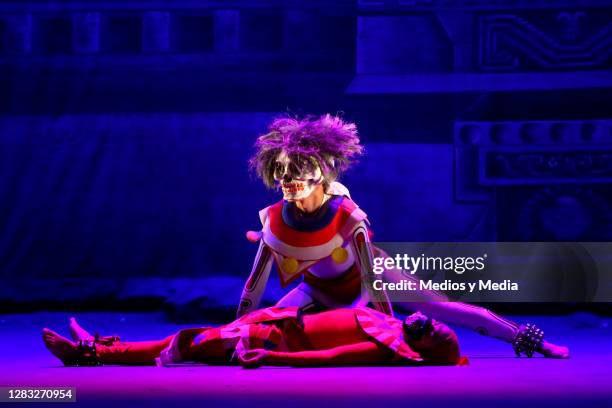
[{"x": 494, "y": 378}]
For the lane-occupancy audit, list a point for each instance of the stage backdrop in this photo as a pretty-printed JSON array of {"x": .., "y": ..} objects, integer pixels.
[
  {"x": 136, "y": 205},
  {"x": 125, "y": 130}
]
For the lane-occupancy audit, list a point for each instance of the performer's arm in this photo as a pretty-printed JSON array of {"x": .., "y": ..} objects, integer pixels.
[
  {"x": 255, "y": 285},
  {"x": 367, "y": 352},
  {"x": 362, "y": 248}
]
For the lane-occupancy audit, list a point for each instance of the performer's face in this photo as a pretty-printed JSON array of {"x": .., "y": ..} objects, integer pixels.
[
  {"x": 296, "y": 176},
  {"x": 434, "y": 340}
]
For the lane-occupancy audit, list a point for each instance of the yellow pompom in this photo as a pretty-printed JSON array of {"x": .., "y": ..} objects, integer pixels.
[
  {"x": 339, "y": 255},
  {"x": 290, "y": 265}
]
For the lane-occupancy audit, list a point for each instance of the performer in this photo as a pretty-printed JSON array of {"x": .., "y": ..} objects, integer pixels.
[
  {"x": 317, "y": 233},
  {"x": 276, "y": 336}
]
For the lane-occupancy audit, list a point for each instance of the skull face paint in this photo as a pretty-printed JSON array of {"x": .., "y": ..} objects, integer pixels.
[{"x": 297, "y": 176}]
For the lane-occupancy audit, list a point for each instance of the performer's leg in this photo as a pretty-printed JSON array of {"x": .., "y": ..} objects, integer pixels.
[
  {"x": 313, "y": 300},
  {"x": 462, "y": 314},
  {"x": 143, "y": 352},
  {"x": 483, "y": 321},
  {"x": 303, "y": 297},
  {"x": 121, "y": 352},
  {"x": 138, "y": 352},
  {"x": 435, "y": 304}
]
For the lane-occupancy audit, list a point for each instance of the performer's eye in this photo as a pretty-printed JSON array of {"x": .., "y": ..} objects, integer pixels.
[
  {"x": 303, "y": 166},
  {"x": 279, "y": 169},
  {"x": 294, "y": 170},
  {"x": 306, "y": 166}
]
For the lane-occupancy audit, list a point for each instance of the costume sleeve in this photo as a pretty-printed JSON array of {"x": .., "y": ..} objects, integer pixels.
[
  {"x": 362, "y": 247},
  {"x": 255, "y": 285}
]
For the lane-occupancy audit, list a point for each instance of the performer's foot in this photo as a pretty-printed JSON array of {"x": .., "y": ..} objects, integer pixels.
[
  {"x": 77, "y": 332},
  {"x": 550, "y": 350},
  {"x": 60, "y": 346}
]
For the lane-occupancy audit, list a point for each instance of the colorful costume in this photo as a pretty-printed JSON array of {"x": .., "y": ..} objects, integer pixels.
[
  {"x": 322, "y": 248},
  {"x": 276, "y": 329}
]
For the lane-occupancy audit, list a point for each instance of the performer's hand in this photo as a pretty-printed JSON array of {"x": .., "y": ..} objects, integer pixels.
[{"x": 253, "y": 358}]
